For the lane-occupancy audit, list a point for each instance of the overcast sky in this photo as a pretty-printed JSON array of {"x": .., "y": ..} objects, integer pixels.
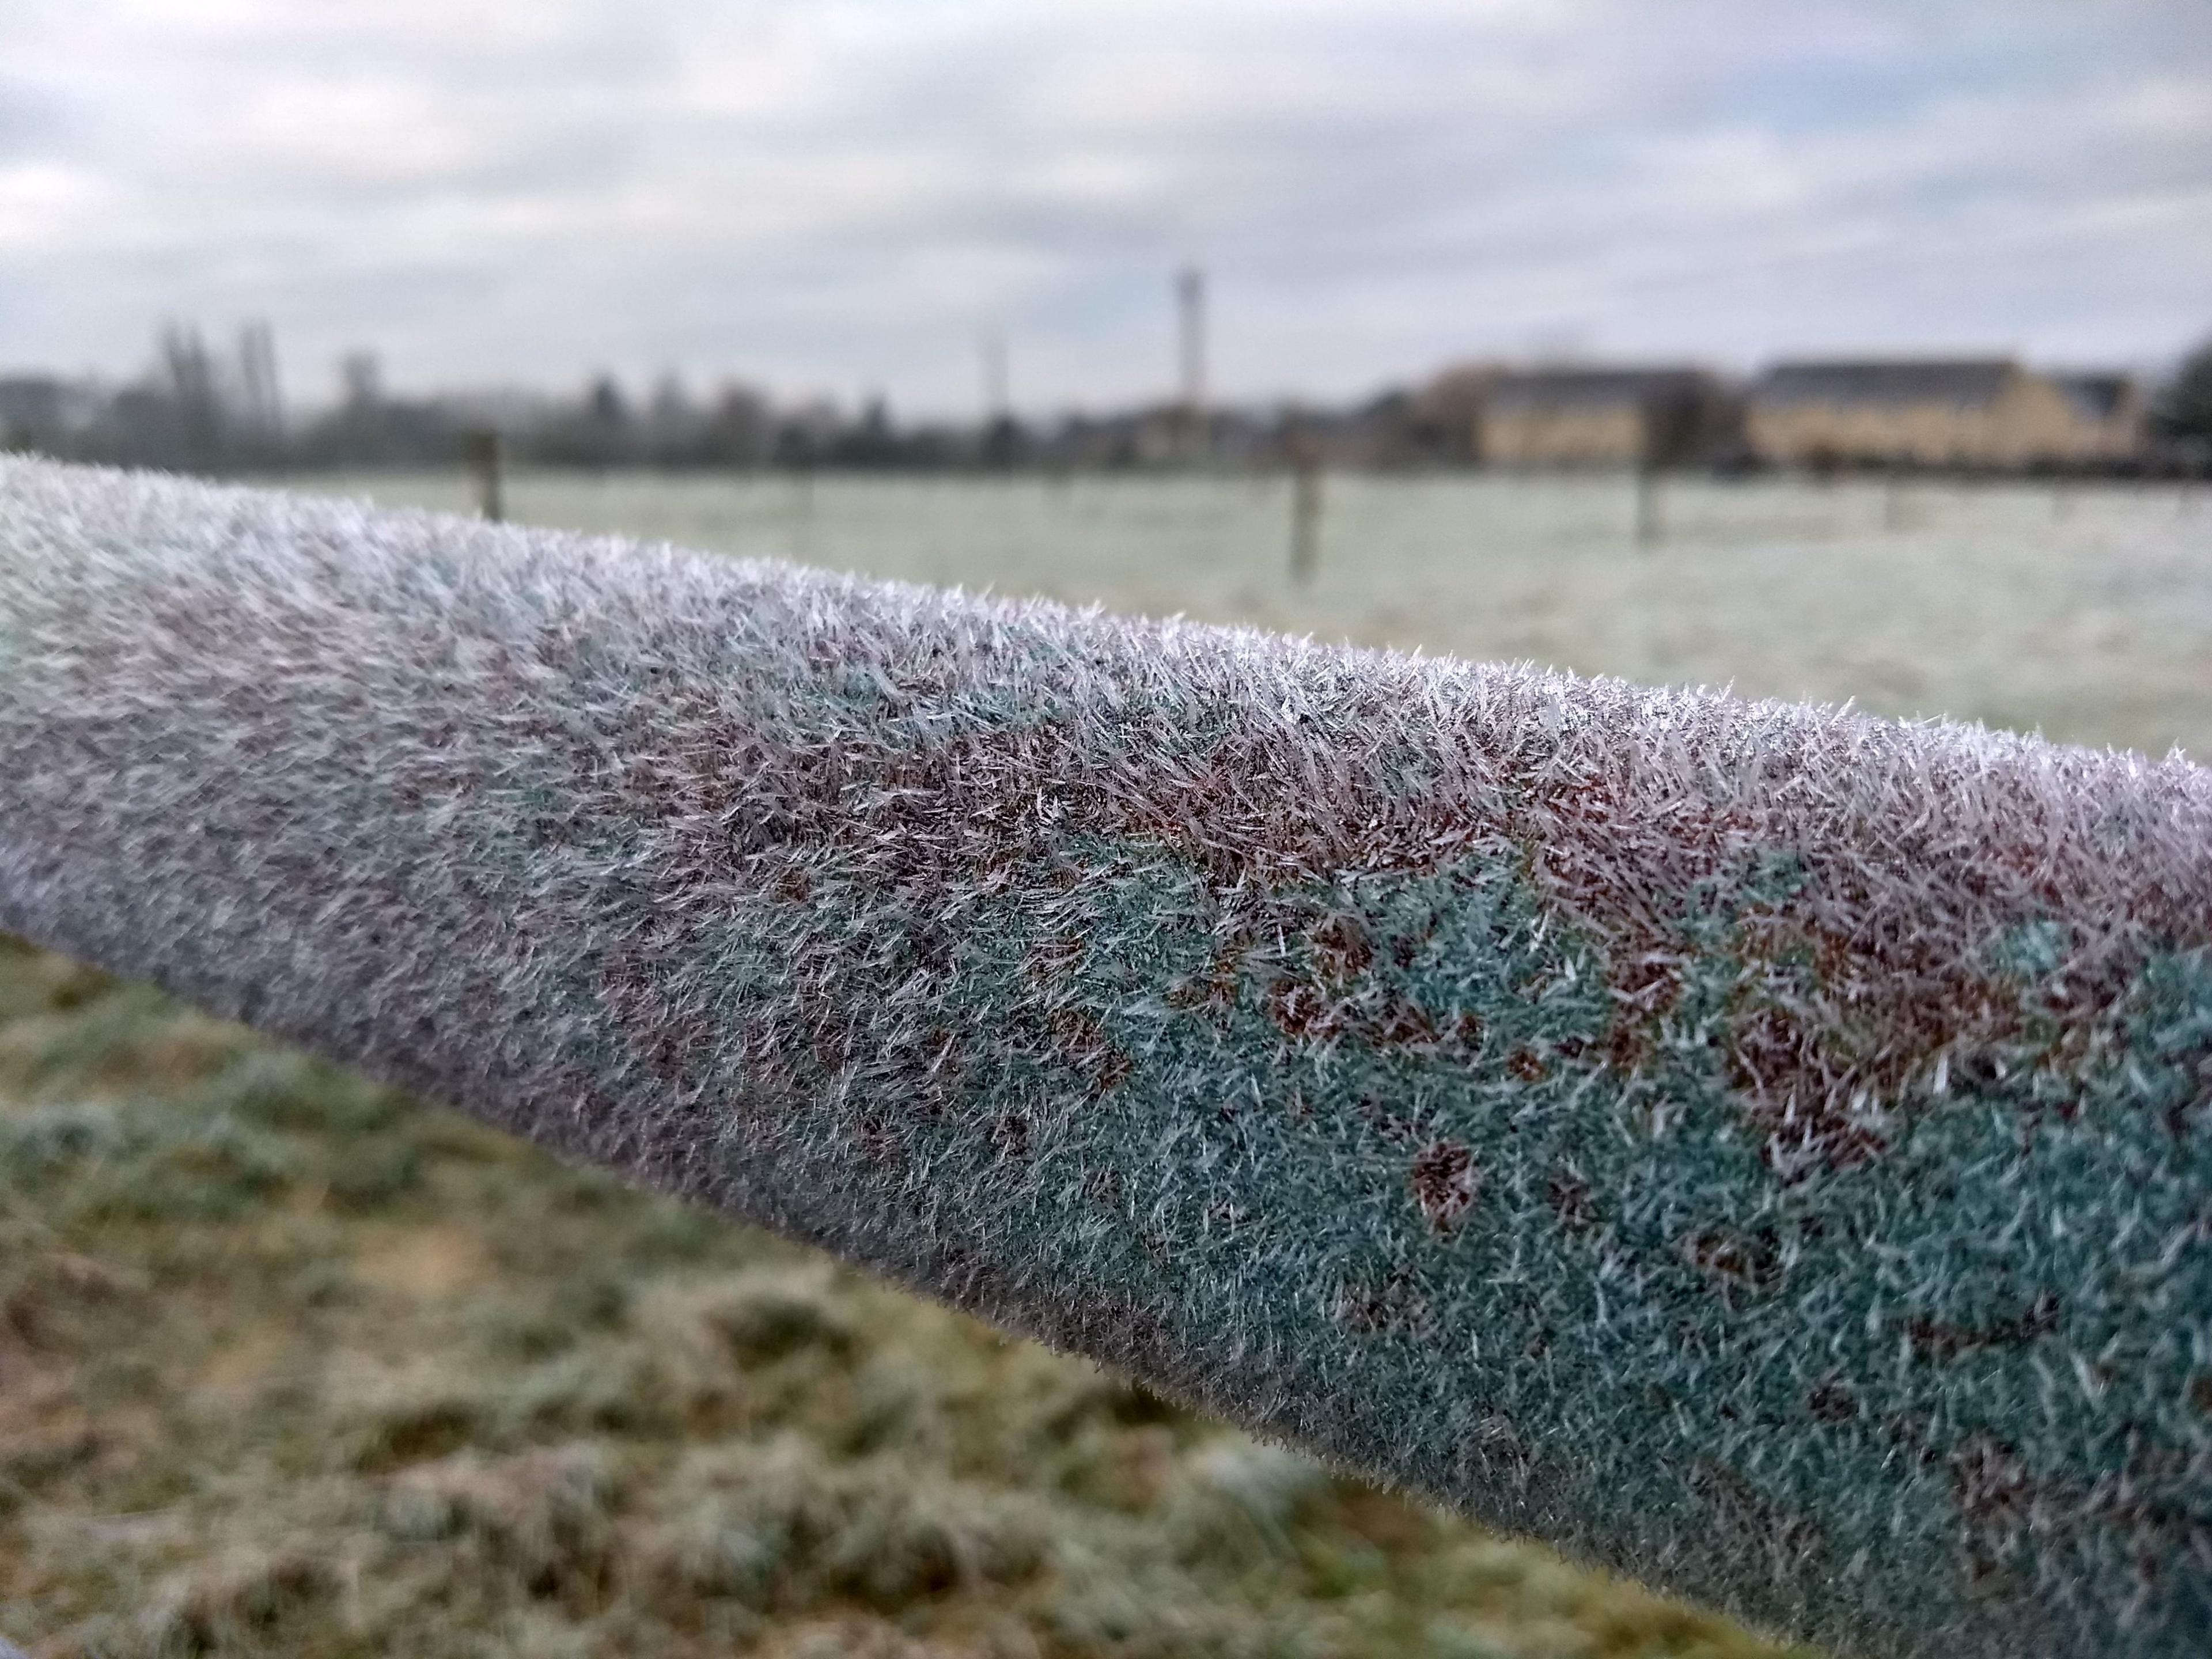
[{"x": 846, "y": 195}]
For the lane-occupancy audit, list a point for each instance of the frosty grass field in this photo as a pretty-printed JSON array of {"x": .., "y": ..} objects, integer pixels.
[
  {"x": 2084, "y": 611},
  {"x": 290, "y": 1365}
]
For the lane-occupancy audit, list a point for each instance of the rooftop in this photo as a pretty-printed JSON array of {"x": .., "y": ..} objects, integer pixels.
[
  {"x": 2098, "y": 397},
  {"x": 1963, "y": 381},
  {"x": 1580, "y": 388}
]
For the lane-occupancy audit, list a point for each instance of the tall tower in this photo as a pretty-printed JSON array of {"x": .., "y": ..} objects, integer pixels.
[
  {"x": 998, "y": 401},
  {"x": 257, "y": 364},
  {"x": 1190, "y": 313},
  {"x": 1001, "y": 441}
]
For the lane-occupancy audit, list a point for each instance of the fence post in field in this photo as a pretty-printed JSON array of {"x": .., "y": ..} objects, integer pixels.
[
  {"x": 802, "y": 534},
  {"x": 480, "y": 450},
  {"x": 1650, "y": 529},
  {"x": 1305, "y": 508}
]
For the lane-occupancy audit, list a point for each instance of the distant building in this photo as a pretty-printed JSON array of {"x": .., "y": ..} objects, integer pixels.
[
  {"x": 1449, "y": 408},
  {"x": 1987, "y": 411},
  {"x": 32, "y": 409},
  {"x": 1594, "y": 416},
  {"x": 2108, "y": 416}
]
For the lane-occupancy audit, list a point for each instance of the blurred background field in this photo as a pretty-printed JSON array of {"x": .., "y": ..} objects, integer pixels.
[
  {"x": 291, "y": 1364},
  {"x": 2079, "y": 609}
]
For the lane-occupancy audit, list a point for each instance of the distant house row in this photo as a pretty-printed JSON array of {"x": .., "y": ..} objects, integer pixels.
[{"x": 1969, "y": 412}]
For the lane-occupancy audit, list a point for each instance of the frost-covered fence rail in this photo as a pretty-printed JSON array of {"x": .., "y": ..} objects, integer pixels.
[{"x": 1766, "y": 1149}]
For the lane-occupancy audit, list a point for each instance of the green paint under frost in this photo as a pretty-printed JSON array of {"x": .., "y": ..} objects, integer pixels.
[{"x": 1515, "y": 1086}]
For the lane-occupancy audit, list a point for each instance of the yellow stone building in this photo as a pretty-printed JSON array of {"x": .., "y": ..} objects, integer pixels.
[
  {"x": 2108, "y": 416},
  {"x": 1549, "y": 417},
  {"x": 1976, "y": 412}
]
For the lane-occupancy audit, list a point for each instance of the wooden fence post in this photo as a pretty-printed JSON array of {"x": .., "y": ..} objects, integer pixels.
[
  {"x": 1305, "y": 509},
  {"x": 481, "y": 449},
  {"x": 1649, "y": 531}
]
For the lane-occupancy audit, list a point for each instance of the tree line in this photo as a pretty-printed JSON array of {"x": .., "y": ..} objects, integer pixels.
[{"x": 198, "y": 409}]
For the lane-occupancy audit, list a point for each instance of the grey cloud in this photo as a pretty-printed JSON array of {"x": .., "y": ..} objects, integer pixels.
[{"x": 845, "y": 193}]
